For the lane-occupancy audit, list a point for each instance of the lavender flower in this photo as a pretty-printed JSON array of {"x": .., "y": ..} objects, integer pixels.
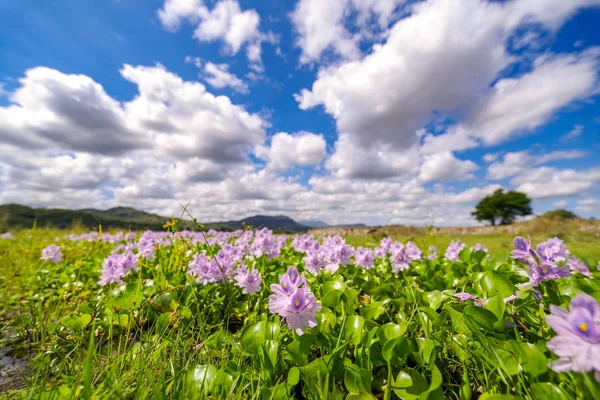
[
  {"x": 249, "y": 281},
  {"x": 52, "y": 253},
  {"x": 577, "y": 265},
  {"x": 413, "y": 251},
  {"x": 6, "y": 235},
  {"x": 542, "y": 261},
  {"x": 479, "y": 247},
  {"x": 364, "y": 257},
  {"x": 577, "y": 343},
  {"x": 294, "y": 302},
  {"x": 464, "y": 296},
  {"x": 432, "y": 253},
  {"x": 112, "y": 270},
  {"x": 301, "y": 310},
  {"x": 200, "y": 268},
  {"x": 453, "y": 250}
]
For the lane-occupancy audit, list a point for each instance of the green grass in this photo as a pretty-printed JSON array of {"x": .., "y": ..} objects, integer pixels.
[{"x": 163, "y": 336}]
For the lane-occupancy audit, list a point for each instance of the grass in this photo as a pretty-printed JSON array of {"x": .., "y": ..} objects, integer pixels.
[{"x": 163, "y": 336}]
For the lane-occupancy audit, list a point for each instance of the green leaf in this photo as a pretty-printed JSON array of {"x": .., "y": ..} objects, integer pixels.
[
  {"x": 494, "y": 283},
  {"x": 130, "y": 298},
  {"x": 394, "y": 350},
  {"x": 495, "y": 396},
  {"x": 435, "y": 299},
  {"x": 356, "y": 379},
  {"x": 481, "y": 317},
  {"x": 293, "y": 376},
  {"x": 332, "y": 292},
  {"x": 255, "y": 335},
  {"x": 316, "y": 369},
  {"x": 418, "y": 385},
  {"x": 202, "y": 378},
  {"x": 548, "y": 391},
  {"x": 391, "y": 331},
  {"x": 496, "y": 305},
  {"x": 353, "y": 327},
  {"x": 403, "y": 380},
  {"x": 465, "y": 255}
]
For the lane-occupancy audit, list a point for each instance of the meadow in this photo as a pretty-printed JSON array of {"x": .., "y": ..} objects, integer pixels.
[{"x": 253, "y": 315}]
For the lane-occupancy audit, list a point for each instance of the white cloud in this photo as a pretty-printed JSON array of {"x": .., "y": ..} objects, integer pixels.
[
  {"x": 444, "y": 166},
  {"x": 573, "y": 133},
  {"x": 225, "y": 22},
  {"x": 218, "y": 76},
  {"x": 302, "y": 148},
  {"x": 546, "y": 182},
  {"x": 561, "y": 204},
  {"x": 490, "y": 157},
  {"x": 519, "y": 162},
  {"x": 588, "y": 205},
  {"x": 381, "y": 100}
]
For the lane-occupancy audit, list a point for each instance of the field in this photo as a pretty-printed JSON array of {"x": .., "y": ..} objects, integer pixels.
[{"x": 375, "y": 314}]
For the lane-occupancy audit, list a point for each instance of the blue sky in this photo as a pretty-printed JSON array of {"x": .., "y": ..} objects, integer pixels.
[{"x": 379, "y": 111}]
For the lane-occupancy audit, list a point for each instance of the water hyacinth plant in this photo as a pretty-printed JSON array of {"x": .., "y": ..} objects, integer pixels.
[{"x": 252, "y": 314}]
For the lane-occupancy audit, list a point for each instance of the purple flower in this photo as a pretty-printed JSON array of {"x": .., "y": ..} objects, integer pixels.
[
  {"x": 481, "y": 247},
  {"x": 577, "y": 265},
  {"x": 453, "y": 250},
  {"x": 577, "y": 343},
  {"x": 300, "y": 310},
  {"x": 52, "y": 253},
  {"x": 432, "y": 253},
  {"x": 546, "y": 272},
  {"x": 201, "y": 268},
  {"x": 399, "y": 260},
  {"x": 364, "y": 257},
  {"x": 413, "y": 251},
  {"x": 464, "y": 296},
  {"x": 314, "y": 263},
  {"x": 248, "y": 281},
  {"x": 112, "y": 270},
  {"x": 294, "y": 302},
  {"x": 6, "y": 235},
  {"x": 523, "y": 251}
]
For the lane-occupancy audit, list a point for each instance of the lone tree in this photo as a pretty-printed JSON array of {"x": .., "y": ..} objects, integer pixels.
[{"x": 502, "y": 207}]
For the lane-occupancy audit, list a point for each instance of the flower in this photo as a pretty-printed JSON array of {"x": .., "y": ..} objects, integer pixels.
[
  {"x": 112, "y": 270},
  {"x": 52, "y": 253},
  {"x": 432, "y": 255},
  {"x": 543, "y": 261},
  {"x": 479, "y": 247},
  {"x": 293, "y": 301},
  {"x": 413, "y": 251},
  {"x": 6, "y": 235},
  {"x": 201, "y": 268},
  {"x": 577, "y": 265},
  {"x": 399, "y": 259},
  {"x": 577, "y": 343},
  {"x": 249, "y": 281},
  {"x": 364, "y": 257},
  {"x": 453, "y": 250},
  {"x": 464, "y": 296},
  {"x": 300, "y": 310}
]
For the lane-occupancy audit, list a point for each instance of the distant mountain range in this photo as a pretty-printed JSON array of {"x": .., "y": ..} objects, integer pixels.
[{"x": 17, "y": 216}]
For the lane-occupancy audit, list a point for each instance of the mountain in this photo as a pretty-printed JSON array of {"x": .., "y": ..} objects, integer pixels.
[
  {"x": 314, "y": 223},
  {"x": 17, "y": 216}
]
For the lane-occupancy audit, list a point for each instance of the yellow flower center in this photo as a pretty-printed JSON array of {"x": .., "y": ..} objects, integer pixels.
[
  {"x": 298, "y": 304},
  {"x": 545, "y": 270},
  {"x": 284, "y": 285},
  {"x": 583, "y": 326}
]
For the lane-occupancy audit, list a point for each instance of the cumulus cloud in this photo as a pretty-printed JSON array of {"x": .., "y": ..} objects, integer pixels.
[
  {"x": 519, "y": 162},
  {"x": 225, "y": 22},
  {"x": 302, "y": 148},
  {"x": 547, "y": 182},
  {"x": 218, "y": 76},
  {"x": 385, "y": 97},
  {"x": 445, "y": 166}
]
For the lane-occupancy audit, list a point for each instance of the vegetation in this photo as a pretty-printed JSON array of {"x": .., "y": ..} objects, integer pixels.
[
  {"x": 15, "y": 216},
  {"x": 560, "y": 215},
  {"x": 503, "y": 207},
  {"x": 452, "y": 327}
]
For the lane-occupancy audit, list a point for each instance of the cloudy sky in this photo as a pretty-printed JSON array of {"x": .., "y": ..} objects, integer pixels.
[{"x": 373, "y": 111}]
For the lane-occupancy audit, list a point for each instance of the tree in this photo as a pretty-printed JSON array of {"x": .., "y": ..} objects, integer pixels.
[{"x": 502, "y": 207}]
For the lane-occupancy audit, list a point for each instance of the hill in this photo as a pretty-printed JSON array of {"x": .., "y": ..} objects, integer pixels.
[{"x": 17, "y": 216}]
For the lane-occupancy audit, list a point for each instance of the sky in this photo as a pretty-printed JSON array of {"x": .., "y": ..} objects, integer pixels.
[{"x": 344, "y": 111}]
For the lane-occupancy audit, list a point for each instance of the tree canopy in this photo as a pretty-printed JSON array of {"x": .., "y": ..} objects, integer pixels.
[{"x": 502, "y": 207}]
